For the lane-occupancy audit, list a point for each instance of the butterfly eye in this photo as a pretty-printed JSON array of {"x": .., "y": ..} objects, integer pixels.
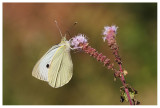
[{"x": 47, "y": 65}]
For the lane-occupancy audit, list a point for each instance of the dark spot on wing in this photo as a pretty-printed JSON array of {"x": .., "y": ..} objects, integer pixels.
[{"x": 47, "y": 65}]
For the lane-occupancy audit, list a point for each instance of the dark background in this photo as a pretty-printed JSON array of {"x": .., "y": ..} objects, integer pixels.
[{"x": 29, "y": 31}]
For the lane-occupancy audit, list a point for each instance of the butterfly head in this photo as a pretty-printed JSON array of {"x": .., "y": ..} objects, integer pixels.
[
  {"x": 64, "y": 42},
  {"x": 63, "y": 39}
]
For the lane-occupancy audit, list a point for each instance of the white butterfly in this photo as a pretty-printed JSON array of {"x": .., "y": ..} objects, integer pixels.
[{"x": 55, "y": 66}]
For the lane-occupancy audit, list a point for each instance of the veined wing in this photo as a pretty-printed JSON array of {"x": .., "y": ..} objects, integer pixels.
[
  {"x": 61, "y": 69},
  {"x": 40, "y": 70}
]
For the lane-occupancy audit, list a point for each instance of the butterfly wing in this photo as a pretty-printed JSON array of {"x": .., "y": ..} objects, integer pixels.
[
  {"x": 61, "y": 69},
  {"x": 40, "y": 70}
]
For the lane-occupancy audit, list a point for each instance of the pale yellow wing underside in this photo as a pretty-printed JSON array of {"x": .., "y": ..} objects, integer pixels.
[{"x": 61, "y": 68}]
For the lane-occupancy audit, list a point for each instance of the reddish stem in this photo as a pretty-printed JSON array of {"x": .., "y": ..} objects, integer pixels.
[
  {"x": 113, "y": 46},
  {"x": 99, "y": 56},
  {"x": 124, "y": 84}
]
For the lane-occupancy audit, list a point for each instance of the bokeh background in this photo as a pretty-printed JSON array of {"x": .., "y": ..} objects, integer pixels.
[{"x": 29, "y": 31}]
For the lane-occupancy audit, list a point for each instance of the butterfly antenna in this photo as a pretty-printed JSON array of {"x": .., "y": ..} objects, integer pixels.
[
  {"x": 58, "y": 28},
  {"x": 68, "y": 31}
]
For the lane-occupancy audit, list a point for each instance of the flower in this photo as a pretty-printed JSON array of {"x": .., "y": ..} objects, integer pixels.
[
  {"x": 109, "y": 32},
  {"x": 78, "y": 40}
]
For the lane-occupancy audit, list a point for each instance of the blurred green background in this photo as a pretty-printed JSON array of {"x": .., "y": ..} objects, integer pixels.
[{"x": 29, "y": 31}]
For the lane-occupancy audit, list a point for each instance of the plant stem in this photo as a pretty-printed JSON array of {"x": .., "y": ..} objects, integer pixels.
[
  {"x": 99, "y": 56},
  {"x": 124, "y": 84},
  {"x": 114, "y": 47}
]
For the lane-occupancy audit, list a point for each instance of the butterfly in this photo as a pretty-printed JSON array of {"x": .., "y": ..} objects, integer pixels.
[{"x": 55, "y": 67}]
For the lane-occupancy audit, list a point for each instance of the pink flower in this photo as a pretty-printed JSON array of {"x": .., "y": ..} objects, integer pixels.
[
  {"x": 78, "y": 40},
  {"x": 109, "y": 32}
]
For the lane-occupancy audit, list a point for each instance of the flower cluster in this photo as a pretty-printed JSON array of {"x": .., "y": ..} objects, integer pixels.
[
  {"x": 78, "y": 40},
  {"x": 109, "y": 33}
]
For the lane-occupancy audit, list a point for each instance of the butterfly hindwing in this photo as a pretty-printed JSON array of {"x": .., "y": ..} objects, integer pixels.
[{"x": 61, "y": 69}]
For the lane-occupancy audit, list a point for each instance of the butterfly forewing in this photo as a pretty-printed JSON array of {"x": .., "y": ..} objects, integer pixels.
[{"x": 40, "y": 70}]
